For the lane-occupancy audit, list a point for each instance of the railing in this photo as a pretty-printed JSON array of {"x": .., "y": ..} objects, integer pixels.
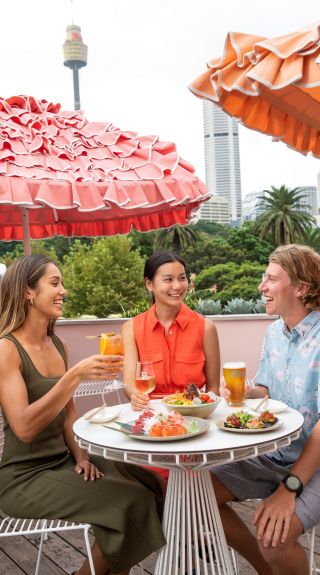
[{"x": 240, "y": 336}]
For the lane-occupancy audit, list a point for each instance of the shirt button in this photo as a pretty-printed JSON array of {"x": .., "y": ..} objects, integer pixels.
[{"x": 170, "y": 332}]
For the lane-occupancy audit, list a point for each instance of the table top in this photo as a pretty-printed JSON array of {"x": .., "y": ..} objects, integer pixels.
[{"x": 213, "y": 447}]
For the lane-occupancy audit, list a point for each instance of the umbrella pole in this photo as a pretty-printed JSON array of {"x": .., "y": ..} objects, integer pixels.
[{"x": 26, "y": 232}]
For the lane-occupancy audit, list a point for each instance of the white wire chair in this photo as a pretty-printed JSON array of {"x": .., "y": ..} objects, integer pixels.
[
  {"x": 12, "y": 526},
  {"x": 312, "y": 564}
]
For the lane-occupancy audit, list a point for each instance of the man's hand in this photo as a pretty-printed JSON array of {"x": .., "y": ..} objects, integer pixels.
[
  {"x": 272, "y": 517},
  {"x": 89, "y": 470},
  {"x": 226, "y": 393}
]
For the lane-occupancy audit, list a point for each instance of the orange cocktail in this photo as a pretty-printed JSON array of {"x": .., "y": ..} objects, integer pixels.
[
  {"x": 235, "y": 377},
  {"x": 111, "y": 344}
]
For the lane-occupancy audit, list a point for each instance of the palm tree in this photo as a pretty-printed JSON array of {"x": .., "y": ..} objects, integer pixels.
[
  {"x": 177, "y": 238},
  {"x": 312, "y": 238},
  {"x": 282, "y": 217}
]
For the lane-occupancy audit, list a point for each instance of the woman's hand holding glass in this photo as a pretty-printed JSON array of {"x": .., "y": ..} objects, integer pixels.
[
  {"x": 96, "y": 367},
  {"x": 111, "y": 346},
  {"x": 144, "y": 384}
]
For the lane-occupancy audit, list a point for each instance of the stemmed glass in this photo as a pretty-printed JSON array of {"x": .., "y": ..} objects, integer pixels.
[{"x": 145, "y": 377}]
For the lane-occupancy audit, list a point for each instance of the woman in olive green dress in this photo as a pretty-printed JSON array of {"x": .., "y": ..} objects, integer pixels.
[{"x": 43, "y": 472}]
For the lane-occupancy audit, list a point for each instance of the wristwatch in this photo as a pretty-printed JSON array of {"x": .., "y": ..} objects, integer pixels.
[{"x": 293, "y": 484}]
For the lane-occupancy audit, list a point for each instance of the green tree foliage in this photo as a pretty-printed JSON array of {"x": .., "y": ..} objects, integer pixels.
[
  {"x": 312, "y": 238},
  {"x": 177, "y": 238},
  {"x": 232, "y": 280},
  {"x": 143, "y": 242},
  {"x": 240, "y": 245},
  {"x": 103, "y": 278},
  {"x": 282, "y": 218}
]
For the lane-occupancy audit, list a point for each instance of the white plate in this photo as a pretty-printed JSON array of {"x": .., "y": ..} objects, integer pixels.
[
  {"x": 272, "y": 405},
  {"x": 278, "y": 424},
  {"x": 104, "y": 414},
  {"x": 203, "y": 427}
]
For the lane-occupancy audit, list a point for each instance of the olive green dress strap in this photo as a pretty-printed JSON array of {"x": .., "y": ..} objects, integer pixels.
[{"x": 25, "y": 358}]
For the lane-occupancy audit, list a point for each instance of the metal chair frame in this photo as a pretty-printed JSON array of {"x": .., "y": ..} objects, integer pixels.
[{"x": 12, "y": 526}]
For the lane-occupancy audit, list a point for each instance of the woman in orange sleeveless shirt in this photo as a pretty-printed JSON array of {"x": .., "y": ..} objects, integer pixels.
[{"x": 181, "y": 343}]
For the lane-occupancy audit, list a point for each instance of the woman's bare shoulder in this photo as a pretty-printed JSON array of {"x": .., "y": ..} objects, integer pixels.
[
  {"x": 9, "y": 355},
  {"x": 209, "y": 326},
  {"x": 127, "y": 327}
]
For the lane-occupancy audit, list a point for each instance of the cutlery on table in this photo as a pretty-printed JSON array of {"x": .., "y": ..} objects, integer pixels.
[
  {"x": 263, "y": 400},
  {"x": 88, "y": 416},
  {"x": 121, "y": 429}
]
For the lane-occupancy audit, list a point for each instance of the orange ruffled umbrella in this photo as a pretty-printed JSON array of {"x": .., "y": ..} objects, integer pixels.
[
  {"x": 272, "y": 86},
  {"x": 61, "y": 174}
]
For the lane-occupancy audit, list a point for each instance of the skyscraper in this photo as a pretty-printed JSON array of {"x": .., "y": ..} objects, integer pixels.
[{"x": 222, "y": 159}]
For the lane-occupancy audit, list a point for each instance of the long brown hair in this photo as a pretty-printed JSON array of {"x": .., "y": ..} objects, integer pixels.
[
  {"x": 302, "y": 265},
  {"x": 22, "y": 274}
]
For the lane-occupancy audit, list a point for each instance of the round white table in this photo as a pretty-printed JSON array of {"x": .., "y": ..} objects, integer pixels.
[{"x": 191, "y": 516}]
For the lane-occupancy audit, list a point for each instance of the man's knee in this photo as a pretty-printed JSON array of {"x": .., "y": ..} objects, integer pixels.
[
  {"x": 223, "y": 495},
  {"x": 284, "y": 550}
]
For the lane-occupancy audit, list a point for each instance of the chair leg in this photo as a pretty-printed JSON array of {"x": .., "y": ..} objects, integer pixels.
[
  {"x": 89, "y": 552},
  {"x": 43, "y": 535},
  {"x": 312, "y": 564},
  {"x": 235, "y": 561}
]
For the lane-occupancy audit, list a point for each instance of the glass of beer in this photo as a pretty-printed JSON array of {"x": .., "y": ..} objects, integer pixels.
[
  {"x": 235, "y": 377},
  {"x": 145, "y": 377}
]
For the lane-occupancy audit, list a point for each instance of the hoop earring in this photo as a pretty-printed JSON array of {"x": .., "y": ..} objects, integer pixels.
[{"x": 31, "y": 301}]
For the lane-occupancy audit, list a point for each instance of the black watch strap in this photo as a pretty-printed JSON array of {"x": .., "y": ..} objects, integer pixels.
[{"x": 293, "y": 483}]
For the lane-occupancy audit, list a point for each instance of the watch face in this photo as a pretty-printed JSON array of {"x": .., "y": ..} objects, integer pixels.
[{"x": 293, "y": 483}]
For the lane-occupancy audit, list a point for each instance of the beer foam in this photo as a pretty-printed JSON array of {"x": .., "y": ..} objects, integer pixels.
[{"x": 234, "y": 365}]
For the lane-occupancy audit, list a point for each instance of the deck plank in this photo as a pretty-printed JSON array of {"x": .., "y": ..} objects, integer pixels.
[{"x": 64, "y": 552}]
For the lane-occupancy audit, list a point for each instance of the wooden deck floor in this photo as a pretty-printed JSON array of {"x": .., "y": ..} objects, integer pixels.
[{"x": 65, "y": 553}]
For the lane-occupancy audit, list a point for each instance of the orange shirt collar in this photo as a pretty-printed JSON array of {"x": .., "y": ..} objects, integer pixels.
[{"x": 182, "y": 318}]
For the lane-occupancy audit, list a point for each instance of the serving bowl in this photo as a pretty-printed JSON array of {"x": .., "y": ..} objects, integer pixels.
[{"x": 196, "y": 410}]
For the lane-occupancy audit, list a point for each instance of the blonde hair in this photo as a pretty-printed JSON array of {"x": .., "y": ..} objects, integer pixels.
[
  {"x": 302, "y": 265},
  {"x": 22, "y": 274}
]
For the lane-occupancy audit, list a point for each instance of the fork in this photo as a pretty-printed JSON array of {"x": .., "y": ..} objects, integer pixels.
[{"x": 93, "y": 412}]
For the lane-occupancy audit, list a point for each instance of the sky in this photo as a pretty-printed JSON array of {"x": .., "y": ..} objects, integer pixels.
[{"x": 142, "y": 54}]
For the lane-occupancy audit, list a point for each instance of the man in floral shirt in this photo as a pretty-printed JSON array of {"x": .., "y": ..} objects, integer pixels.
[{"x": 288, "y": 480}]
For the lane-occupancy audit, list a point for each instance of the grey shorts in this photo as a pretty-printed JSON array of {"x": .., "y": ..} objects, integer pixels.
[{"x": 259, "y": 477}]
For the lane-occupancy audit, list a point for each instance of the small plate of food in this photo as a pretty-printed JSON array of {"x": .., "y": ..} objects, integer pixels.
[
  {"x": 244, "y": 422},
  {"x": 150, "y": 426},
  {"x": 192, "y": 402}
]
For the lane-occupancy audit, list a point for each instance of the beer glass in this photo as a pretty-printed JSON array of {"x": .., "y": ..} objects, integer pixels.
[{"x": 235, "y": 377}]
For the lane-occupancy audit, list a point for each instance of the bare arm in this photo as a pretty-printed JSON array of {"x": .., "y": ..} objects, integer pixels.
[
  {"x": 80, "y": 456},
  {"x": 212, "y": 353},
  {"x": 28, "y": 420},
  {"x": 274, "y": 514},
  {"x": 139, "y": 401},
  {"x": 131, "y": 357}
]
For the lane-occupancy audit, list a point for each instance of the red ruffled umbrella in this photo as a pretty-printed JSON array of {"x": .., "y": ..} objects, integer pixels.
[
  {"x": 63, "y": 175},
  {"x": 270, "y": 85}
]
